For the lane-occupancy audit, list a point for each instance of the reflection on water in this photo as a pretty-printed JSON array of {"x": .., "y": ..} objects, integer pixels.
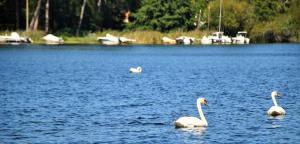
[
  {"x": 276, "y": 121},
  {"x": 279, "y": 117},
  {"x": 195, "y": 130}
]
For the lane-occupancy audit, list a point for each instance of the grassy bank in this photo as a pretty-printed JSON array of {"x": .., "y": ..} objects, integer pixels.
[
  {"x": 258, "y": 34},
  {"x": 141, "y": 37}
]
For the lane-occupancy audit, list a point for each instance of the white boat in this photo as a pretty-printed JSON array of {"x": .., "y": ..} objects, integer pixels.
[
  {"x": 185, "y": 40},
  {"x": 126, "y": 40},
  {"x": 241, "y": 38},
  {"x": 217, "y": 37},
  {"x": 109, "y": 40},
  {"x": 52, "y": 39},
  {"x": 113, "y": 40},
  {"x": 220, "y": 38},
  {"x": 167, "y": 40},
  {"x": 206, "y": 40},
  {"x": 14, "y": 37}
]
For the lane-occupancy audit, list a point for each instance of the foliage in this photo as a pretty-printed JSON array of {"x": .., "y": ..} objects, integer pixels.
[
  {"x": 265, "y": 20},
  {"x": 236, "y": 16},
  {"x": 163, "y": 15},
  {"x": 268, "y": 9}
]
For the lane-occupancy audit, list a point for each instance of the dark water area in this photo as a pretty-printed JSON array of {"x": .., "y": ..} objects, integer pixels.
[{"x": 85, "y": 93}]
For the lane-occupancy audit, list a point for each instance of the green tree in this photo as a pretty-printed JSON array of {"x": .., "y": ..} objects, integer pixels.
[
  {"x": 267, "y": 9},
  {"x": 164, "y": 15},
  {"x": 237, "y": 15}
]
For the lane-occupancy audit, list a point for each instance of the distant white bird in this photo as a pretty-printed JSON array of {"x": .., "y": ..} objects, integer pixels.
[
  {"x": 275, "y": 110},
  {"x": 135, "y": 70},
  {"x": 190, "y": 122}
]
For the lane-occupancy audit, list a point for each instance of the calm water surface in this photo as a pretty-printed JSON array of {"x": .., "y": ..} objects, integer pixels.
[{"x": 85, "y": 94}]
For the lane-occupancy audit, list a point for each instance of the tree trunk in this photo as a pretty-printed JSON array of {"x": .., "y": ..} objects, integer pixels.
[
  {"x": 208, "y": 16},
  {"x": 81, "y": 17},
  {"x": 35, "y": 19},
  {"x": 27, "y": 15},
  {"x": 47, "y": 17},
  {"x": 199, "y": 20},
  {"x": 17, "y": 15},
  {"x": 36, "y": 24}
]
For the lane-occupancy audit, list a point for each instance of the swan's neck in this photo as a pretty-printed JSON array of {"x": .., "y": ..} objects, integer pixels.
[
  {"x": 202, "y": 117},
  {"x": 274, "y": 101}
]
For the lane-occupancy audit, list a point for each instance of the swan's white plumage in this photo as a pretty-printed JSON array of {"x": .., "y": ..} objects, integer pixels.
[
  {"x": 275, "y": 110},
  {"x": 135, "y": 70},
  {"x": 190, "y": 122}
]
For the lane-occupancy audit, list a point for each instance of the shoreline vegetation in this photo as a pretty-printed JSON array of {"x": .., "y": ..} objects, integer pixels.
[
  {"x": 150, "y": 37},
  {"x": 141, "y": 37},
  {"x": 147, "y": 21}
]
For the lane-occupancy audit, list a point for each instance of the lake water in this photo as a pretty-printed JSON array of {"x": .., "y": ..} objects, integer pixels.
[{"x": 85, "y": 94}]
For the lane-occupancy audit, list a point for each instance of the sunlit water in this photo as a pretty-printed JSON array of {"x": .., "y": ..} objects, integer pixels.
[{"x": 85, "y": 94}]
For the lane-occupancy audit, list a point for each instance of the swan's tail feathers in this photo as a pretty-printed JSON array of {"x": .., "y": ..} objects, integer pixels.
[{"x": 275, "y": 113}]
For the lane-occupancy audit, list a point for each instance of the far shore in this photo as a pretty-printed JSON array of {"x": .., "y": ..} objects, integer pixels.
[{"x": 141, "y": 37}]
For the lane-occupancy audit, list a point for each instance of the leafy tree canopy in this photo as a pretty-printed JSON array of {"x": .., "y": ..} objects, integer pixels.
[{"x": 164, "y": 15}]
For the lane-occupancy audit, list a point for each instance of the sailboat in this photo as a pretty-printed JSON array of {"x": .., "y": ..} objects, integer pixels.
[{"x": 217, "y": 37}]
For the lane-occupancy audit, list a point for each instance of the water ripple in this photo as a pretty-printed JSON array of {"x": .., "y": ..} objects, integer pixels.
[{"x": 85, "y": 94}]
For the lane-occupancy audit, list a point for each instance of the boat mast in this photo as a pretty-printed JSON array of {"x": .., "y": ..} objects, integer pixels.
[{"x": 220, "y": 15}]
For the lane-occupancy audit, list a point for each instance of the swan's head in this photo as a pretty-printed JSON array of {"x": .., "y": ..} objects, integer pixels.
[
  {"x": 139, "y": 68},
  {"x": 274, "y": 94},
  {"x": 203, "y": 101}
]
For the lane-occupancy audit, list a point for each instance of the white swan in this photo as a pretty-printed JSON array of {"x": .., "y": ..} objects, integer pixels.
[
  {"x": 190, "y": 122},
  {"x": 275, "y": 110},
  {"x": 135, "y": 70}
]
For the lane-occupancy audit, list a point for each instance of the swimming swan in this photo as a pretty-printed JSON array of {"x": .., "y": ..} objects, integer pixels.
[
  {"x": 189, "y": 122},
  {"x": 135, "y": 70},
  {"x": 275, "y": 110}
]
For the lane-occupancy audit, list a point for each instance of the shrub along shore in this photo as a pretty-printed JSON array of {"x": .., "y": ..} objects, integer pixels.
[{"x": 154, "y": 37}]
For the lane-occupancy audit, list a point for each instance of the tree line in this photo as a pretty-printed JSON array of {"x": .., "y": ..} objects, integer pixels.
[
  {"x": 65, "y": 15},
  {"x": 270, "y": 20}
]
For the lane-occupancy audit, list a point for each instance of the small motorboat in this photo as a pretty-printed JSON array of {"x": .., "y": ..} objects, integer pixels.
[
  {"x": 206, "y": 40},
  {"x": 14, "y": 37},
  {"x": 185, "y": 40},
  {"x": 109, "y": 40},
  {"x": 241, "y": 38},
  {"x": 52, "y": 39},
  {"x": 167, "y": 40},
  {"x": 113, "y": 40},
  {"x": 126, "y": 40}
]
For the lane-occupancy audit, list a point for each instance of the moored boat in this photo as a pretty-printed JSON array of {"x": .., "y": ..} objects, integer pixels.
[
  {"x": 14, "y": 37},
  {"x": 52, "y": 39},
  {"x": 167, "y": 40},
  {"x": 185, "y": 40},
  {"x": 241, "y": 38},
  {"x": 217, "y": 37},
  {"x": 113, "y": 40},
  {"x": 109, "y": 40}
]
